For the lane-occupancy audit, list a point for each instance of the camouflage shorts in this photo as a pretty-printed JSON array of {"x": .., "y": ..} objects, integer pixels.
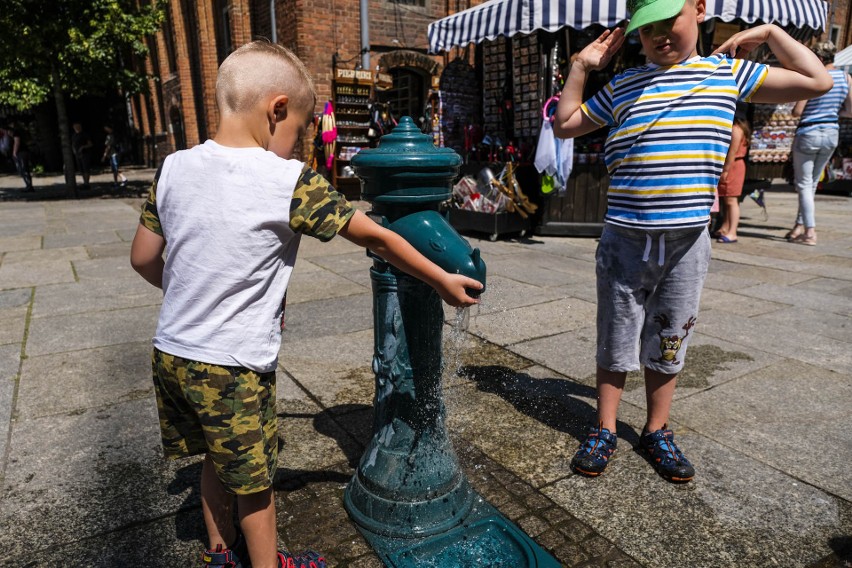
[{"x": 227, "y": 412}]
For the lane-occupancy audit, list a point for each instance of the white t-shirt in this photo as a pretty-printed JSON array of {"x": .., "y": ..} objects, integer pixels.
[{"x": 232, "y": 219}]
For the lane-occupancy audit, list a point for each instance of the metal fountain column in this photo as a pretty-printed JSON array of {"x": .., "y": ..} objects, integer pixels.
[{"x": 409, "y": 497}]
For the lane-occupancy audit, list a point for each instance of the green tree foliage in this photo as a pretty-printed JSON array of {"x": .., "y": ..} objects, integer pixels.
[{"x": 87, "y": 46}]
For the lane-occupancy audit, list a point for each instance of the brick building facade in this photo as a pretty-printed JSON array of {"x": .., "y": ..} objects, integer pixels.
[{"x": 180, "y": 111}]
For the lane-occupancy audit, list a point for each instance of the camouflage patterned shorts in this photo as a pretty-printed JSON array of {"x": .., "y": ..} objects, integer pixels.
[{"x": 227, "y": 412}]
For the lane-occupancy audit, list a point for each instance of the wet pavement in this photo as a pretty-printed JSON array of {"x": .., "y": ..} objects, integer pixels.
[{"x": 762, "y": 408}]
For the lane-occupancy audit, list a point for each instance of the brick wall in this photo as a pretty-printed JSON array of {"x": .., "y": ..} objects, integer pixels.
[
  {"x": 840, "y": 14},
  {"x": 314, "y": 29}
]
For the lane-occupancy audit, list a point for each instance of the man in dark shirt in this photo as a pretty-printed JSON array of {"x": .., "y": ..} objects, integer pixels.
[
  {"x": 21, "y": 155},
  {"x": 82, "y": 146}
]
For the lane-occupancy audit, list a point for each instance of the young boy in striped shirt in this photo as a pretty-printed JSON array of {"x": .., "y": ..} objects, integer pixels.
[{"x": 670, "y": 127}]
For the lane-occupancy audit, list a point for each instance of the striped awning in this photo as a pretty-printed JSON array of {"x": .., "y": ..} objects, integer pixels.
[
  {"x": 497, "y": 18},
  {"x": 843, "y": 58},
  {"x": 793, "y": 13}
]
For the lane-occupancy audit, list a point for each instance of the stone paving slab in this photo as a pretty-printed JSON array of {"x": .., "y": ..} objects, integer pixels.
[
  {"x": 801, "y": 436},
  {"x": 90, "y": 379},
  {"x": 75, "y": 239},
  {"x": 94, "y": 296},
  {"x": 828, "y": 286},
  {"x": 571, "y": 354},
  {"x": 540, "y": 320},
  {"x": 340, "y": 376},
  {"x": 95, "y": 329},
  {"x": 11, "y": 244},
  {"x": 10, "y": 362},
  {"x": 35, "y": 273},
  {"x": 310, "y": 286},
  {"x": 738, "y": 512},
  {"x": 12, "y": 329},
  {"x": 752, "y": 333},
  {"x": 107, "y": 268},
  {"x": 737, "y": 302},
  {"x": 46, "y": 255},
  {"x": 88, "y": 472},
  {"x": 334, "y": 316},
  {"x": 15, "y": 303}
]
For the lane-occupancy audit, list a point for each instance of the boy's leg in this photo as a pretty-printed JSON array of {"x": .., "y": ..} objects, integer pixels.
[
  {"x": 257, "y": 521},
  {"x": 610, "y": 385},
  {"x": 217, "y": 507},
  {"x": 659, "y": 392}
]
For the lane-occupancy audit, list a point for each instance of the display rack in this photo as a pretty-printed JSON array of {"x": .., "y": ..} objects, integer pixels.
[{"x": 352, "y": 92}]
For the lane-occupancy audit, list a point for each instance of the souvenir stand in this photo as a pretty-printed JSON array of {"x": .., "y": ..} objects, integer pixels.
[{"x": 516, "y": 40}]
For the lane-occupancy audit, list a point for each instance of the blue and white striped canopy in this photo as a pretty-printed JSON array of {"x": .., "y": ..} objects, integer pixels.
[
  {"x": 796, "y": 13},
  {"x": 496, "y": 18},
  {"x": 509, "y": 17}
]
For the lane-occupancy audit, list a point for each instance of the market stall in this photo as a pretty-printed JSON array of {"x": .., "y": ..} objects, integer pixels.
[
  {"x": 525, "y": 49},
  {"x": 523, "y": 45}
]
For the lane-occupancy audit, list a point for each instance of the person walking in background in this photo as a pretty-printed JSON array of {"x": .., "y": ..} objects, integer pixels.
[
  {"x": 238, "y": 205},
  {"x": 82, "y": 145},
  {"x": 664, "y": 154},
  {"x": 113, "y": 153},
  {"x": 815, "y": 142},
  {"x": 21, "y": 155},
  {"x": 731, "y": 182}
]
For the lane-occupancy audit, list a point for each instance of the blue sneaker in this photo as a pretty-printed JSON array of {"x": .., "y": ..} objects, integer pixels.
[
  {"x": 665, "y": 456},
  {"x": 307, "y": 559},
  {"x": 594, "y": 453},
  {"x": 235, "y": 557}
]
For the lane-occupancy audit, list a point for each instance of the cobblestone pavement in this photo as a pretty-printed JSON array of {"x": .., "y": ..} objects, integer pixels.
[{"x": 761, "y": 409}]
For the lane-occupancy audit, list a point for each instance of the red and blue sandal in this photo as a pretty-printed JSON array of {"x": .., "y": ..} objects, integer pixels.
[{"x": 306, "y": 559}]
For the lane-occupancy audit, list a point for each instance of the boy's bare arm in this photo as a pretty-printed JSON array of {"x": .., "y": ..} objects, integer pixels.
[
  {"x": 803, "y": 75},
  {"x": 146, "y": 255},
  {"x": 570, "y": 121},
  {"x": 364, "y": 232}
]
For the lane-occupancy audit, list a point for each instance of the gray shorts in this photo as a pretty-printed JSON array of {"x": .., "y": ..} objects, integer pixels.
[{"x": 648, "y": 295}]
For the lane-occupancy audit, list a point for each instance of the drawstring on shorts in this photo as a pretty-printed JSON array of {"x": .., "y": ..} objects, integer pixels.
[{"x": 662, "y": 249}]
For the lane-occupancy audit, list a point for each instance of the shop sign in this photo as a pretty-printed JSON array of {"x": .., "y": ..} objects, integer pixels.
[
  {"x": 384, "y": 81},
  {"x": 358, "y": 74}
]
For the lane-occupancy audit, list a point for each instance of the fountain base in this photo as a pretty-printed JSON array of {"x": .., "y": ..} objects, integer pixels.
[{"x": 485, "y": 538}]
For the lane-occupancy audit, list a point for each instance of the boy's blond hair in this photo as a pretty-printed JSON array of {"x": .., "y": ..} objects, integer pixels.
[{"x": 257, "y": 70}]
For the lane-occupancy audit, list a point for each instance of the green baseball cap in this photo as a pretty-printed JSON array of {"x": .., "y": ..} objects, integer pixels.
[{"x": 644, "y": 12}]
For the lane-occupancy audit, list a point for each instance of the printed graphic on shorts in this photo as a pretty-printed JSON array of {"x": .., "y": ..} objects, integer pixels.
[
  {"x": 228, "y": 412},
  {"x": 671, "y": 344},
  {"x": 317, "y": 209}
]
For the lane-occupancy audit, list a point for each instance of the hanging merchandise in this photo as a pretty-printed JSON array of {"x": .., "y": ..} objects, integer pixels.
[
  {"x": 507, "y": 185},
  {"x": 329, "y": 134},
  {"x": 554, "y": 156}
]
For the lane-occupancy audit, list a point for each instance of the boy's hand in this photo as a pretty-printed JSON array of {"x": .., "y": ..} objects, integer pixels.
[
  {"x": 741, "y": 43},
  {"x": 598, "y": 54},
  {"x": 453, "y": 289}
]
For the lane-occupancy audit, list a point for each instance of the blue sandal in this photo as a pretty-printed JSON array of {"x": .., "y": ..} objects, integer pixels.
[{"x": 306, "y": 559}]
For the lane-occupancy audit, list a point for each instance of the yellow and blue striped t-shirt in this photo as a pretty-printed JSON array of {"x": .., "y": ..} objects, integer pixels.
[{"x": 671, "y": 128}]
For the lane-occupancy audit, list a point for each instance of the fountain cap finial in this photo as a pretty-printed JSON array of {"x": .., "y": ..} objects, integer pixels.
[{"x": 406, "y": 168}]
